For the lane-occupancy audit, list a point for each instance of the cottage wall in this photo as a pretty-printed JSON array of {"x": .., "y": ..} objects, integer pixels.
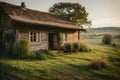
[
  {"x": 75, "y": 36},
  {"x": 6, "y": 28},
  {"x": 5, "y": 21},
  {"x": 23, "y": 35},
  {"x": 41, "y": 44},
  {"x": 72, "y": 37},
  {"x": 69, "y": 37}
]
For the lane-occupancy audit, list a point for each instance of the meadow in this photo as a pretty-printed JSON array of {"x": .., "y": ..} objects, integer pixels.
[
  {"x": 94, "y": 35},
  {"x": 69, "y": 66}
]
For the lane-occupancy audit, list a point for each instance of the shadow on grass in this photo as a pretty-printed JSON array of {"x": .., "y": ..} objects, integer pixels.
[
  {"x": 79, "y": 67},
  {"x": 85, "y": 70},
  {"x": 115, "y": 61},
  {"x": 78, "y": 58},
  {"x": 103, "y": 76}
]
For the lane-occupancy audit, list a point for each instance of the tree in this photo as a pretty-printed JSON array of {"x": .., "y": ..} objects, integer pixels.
[
  {"x": 73, "y": 11},
  {"x": 107, "y": 39}
]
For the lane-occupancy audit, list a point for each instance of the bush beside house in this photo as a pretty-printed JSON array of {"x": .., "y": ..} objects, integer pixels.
[
  {"x": 21, "y": 49},
  {"x": 75, "y": 47}
]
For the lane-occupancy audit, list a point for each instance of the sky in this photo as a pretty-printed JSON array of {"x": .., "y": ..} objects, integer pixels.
[{"x": 102, "y": 13}]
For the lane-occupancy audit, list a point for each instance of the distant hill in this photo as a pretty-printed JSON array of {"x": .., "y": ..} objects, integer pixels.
[
  {"x": 104, "y": 29},
  {"x": 95, "y": 35},
  {"x": 99, "y": 32}
]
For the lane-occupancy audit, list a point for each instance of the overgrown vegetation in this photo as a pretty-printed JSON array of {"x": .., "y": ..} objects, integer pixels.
[
  {"x": 76, "y": 47},
  {"x": 68, "y": 47},
  {"x": 107, "y": 39},
  {"x": 84, "y": 47},
  {"x": 99, "y": 64},
  {"x": 41, "y": 55},
  {"x": 21, "y": 49},
  {"x": 2, "y": 48},
  {"x": 67, "y": 67}
]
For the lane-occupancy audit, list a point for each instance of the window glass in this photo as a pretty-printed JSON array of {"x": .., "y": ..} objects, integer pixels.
[{"x": 34, "y": 37}]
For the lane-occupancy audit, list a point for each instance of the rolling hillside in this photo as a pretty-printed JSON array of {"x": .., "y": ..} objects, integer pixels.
[
  {"x": 94, "y": 35},
  {"x": 69, "y": 66},
  {"x": 64, "y": 67}
]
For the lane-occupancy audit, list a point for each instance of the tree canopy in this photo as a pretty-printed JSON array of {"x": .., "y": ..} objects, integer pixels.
[{"x": 74, "y": 11}]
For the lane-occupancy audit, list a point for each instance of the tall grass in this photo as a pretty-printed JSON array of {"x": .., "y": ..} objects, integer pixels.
[
  {"x": 84, "y": 47},
  {"x": 76, "y": 47},
  {"x": 68, "y": 47}
]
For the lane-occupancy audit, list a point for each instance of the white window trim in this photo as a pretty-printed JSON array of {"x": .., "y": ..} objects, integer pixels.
[
  {"x": 38, "y": 37},
  {"x": 64, "y": 37}
]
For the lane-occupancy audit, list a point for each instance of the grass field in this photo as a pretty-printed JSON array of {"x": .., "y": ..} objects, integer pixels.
[
  {"x": 94, "y": 35},
  {"x": 66, "y": 67}
]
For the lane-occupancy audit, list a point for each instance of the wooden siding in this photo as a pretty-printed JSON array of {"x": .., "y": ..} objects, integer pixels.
[
  {"x": 41, "y": 44},
  {"x": 5, "y": 21},
  {"x": 75, "y": 36},
  {"x": 72, "y": 37}
]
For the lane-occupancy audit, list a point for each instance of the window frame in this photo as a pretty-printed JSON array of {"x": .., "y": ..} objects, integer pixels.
[
  {"x": 64, "y": 36},
  {"x": 34, "y": 37}
]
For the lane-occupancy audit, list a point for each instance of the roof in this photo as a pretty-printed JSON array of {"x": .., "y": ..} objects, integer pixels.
[{"x": 17, "y": 13}]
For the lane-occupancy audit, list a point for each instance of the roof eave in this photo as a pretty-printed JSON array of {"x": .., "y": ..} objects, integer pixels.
[{"x": 53, "y": 26}]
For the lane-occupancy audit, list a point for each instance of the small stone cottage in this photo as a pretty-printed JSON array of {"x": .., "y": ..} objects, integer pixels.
[{"x": 40, "y": 29}]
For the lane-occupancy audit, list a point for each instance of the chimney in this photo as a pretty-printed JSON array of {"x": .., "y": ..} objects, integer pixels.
[{"x": 23, "y": 5}]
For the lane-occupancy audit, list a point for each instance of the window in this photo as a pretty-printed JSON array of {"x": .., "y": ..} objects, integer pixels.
[
  {"x": 64, "y": 36},
  {"x": 34, "y": 37}
]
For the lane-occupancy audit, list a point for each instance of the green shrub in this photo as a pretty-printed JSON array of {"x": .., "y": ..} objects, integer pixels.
[
  {"x": 41, "y": 56},
  {"x": 2, "y": 48},
  {"x": 43, "y": 51},
  {"x": 107, "y": 39},
  {"x": 6, "y": 69},
  {"x": 21, "y": 49},
  {"x": 76, "y": 47},
  {"x": 117, "y": 36},
  {"x": 68, "y": 47},
  {"x": 114, "y": 44},
  {"x": 83, "y": 47},
  {"x": 5, "y": 50}
]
